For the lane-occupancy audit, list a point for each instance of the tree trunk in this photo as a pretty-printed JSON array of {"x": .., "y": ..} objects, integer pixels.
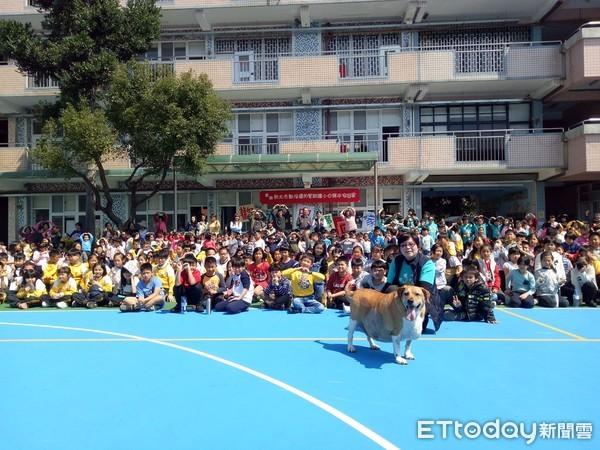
[
  {"x": 132, "y": 204},
  {"x": 90, "y": 211}
]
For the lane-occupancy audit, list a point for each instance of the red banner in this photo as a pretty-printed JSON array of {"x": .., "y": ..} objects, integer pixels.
[{"x": 290, "y": 196}]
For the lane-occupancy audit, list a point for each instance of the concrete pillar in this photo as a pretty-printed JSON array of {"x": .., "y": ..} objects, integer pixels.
[
  {"x": 12, "y": 219},
  {"x": 537, "y": 114},
  {"x": 540, "y": 210}
]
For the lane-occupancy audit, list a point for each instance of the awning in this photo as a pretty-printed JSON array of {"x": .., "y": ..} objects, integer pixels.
[{"x": 300, "y": 162}]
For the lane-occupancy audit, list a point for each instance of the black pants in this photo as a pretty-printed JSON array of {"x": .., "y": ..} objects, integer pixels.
[
  {"x": 117, "y": 299},
  {"x": 83, "y": 299},
  {"x": 193, "y": 294},
  {"x": 589, "y": 293},
  {"x": 552, "y": 301},
  {"x": 568, "y": 290},
  {"x": 233, "y": 307},
  {"x": 282, "y": 302},
  {"x": 32, "y": 302},
  {"x": 515, "y": 301}
]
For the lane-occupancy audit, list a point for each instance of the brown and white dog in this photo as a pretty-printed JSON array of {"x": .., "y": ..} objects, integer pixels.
[{"x": 395, "y": 316}]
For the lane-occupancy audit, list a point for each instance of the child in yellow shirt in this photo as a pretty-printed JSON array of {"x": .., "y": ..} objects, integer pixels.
[
  {"x": 64, "y": 289},
  {"x": 31, "y": 292},
  {"x": 50, "y": 269},
  {"x": 97, "y": 290},
  {"x": 78, "y": 269},
  {"x": 165, "y": 273},
  {"x": 303, "y": 286}
]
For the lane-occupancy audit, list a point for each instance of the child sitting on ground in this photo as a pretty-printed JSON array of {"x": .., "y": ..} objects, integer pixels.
[
  {"x": 377, "y": 279},
  {"x": 63, "y": 290},
  {"x": 212, "y": 282},
  {"x": 336, "y": 285},
  {"x": 187, "y": 284},
  {"x": 547, "y": 283},
  {"x": 472, "y": 300},
  {"x": 520, "y": 285},
  {"x": 150, "y": 294},
  {"x": 303, "y": 292},
  {"x": 31, "y": 292},
  {"x": 240, "y": 290},
  {"x": 278, "y": 294},
  {"x": 97, "y": 288}
]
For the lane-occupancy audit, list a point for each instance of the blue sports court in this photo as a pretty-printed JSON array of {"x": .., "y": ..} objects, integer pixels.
[{"x": 266, "y": 380}]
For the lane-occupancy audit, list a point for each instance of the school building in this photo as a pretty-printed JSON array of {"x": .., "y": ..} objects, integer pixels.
[{"x": 447, "y": 106}]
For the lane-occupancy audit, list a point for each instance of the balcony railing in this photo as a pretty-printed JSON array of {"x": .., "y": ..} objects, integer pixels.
[
  {"x": 504, "y": 61},
  {"x": 159, "y": 69},
  {"x": 41, "y": 82},
  {"x": 251, "y": 70},
  {"x": 517, "y": 150},
  {"x": 362, "y": 66}
]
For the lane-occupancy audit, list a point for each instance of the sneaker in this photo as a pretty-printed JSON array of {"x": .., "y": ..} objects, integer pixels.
[
  {"x": 61, "y": 305},
  {"x": 293, "y": 311},
  {"x": 199, "y": 308},
  {"x": 346, "y": 308},
  {"x": 73, "y": 304},
  {"x": 91, "y": 305},
  {"x": 45, "y": 304}
]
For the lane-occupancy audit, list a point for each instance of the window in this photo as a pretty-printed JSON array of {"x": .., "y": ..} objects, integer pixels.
[
  {"x": 168, "y": 202},
  {"x": 363, "y": 130},
  {"x": 176, "y": 50},
  {"x": 196, "y": 50},
  {"x": 262, "y": 133},
  {"x": 245, "y": 198},
  {"x": 3, "y": 132},
  {"x": 474, "y": 117},
  {"x": 57, "y": 204}
]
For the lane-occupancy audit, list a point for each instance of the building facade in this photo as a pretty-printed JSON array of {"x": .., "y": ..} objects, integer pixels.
[{"x": 427, "y": 104}]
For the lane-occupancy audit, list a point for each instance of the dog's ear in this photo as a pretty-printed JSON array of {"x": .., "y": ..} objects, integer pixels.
[
  {"x": 400, "y": 291},
  {"x": 426, "y": 294}
]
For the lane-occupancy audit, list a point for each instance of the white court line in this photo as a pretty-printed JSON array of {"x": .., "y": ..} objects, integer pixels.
[
  {"x": 288, "y": 339},
  {"x": 367, "y": 432}
]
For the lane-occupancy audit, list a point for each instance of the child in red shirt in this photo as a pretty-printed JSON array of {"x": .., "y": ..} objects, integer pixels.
[
  {"x": 187, "y": 283},
  {"x": 259, "y": 272},
  {"x": 336, "y": 284}
]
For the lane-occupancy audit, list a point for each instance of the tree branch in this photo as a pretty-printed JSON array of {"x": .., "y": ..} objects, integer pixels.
[
  {"x": 135, "y": 169},
  {"x": 156, "y": 188}
]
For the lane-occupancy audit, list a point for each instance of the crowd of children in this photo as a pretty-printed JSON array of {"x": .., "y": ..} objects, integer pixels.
[{"x": 476, "y": 264}]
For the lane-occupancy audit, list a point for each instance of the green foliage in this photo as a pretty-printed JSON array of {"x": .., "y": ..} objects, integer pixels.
[
  {"x": 110, "y": 106},
  {"x": 84, "y": 41},
  {"x": 162, "y": 117},
  {"x": 79, "y": 140}
]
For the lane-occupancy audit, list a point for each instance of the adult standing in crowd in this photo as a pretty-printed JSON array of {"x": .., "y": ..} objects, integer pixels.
[
  {"x": 235, "y": 226},
  {"x": 214, "y": 226},
  {"x": 349, "y": 215}
]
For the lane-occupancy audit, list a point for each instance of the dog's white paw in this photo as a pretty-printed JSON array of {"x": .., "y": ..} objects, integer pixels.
[
  {"x": 409, "y": 355},
  {"x": 351, "y": 349},
  {"x": 375, "y": 347},
  {"x": 400, "y": 360}
]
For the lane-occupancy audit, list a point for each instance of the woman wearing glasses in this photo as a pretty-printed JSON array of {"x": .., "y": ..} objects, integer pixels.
[{"x": 411, "y": 267}]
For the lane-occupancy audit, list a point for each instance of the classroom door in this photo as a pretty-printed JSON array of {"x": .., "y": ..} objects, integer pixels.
[{"x": 227, "y": 213}]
